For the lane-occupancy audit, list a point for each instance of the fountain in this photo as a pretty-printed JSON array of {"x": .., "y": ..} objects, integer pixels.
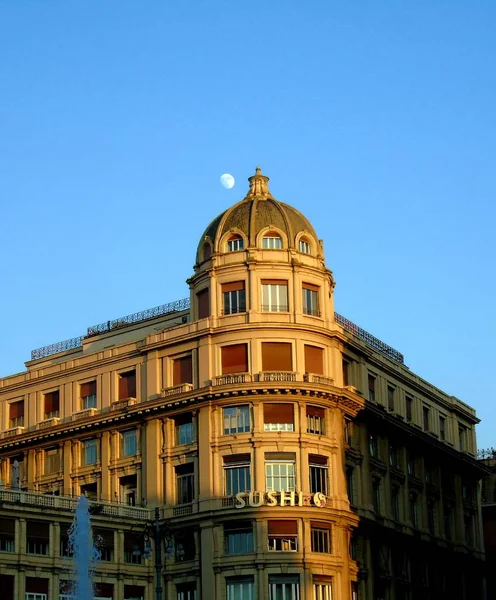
[{"x": 84, "y": 553}]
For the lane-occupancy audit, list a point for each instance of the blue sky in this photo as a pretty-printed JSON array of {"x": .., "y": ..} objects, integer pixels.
[{"x": 375, "y": 119}]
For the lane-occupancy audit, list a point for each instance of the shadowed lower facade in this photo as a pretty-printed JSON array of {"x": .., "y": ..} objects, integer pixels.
[{"x": 246, "y": 443}]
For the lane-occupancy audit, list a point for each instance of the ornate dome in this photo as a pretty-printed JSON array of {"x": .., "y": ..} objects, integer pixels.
[{"x": 257, "y": 211}]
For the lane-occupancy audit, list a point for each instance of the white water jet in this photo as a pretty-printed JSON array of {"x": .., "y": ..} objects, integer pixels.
[{"x": 84, "y": 553}]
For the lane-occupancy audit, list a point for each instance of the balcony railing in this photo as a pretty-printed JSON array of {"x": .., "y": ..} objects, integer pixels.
[
  {"x": 182, "y": 388},
  {"x": 313, "y": 378},
  {"x": 13, "y": 431},
  {"x": 48, "y": 422},
  {"x": 84, "y": 414},
  {"x": 276, "y": 376},
  {"x": 124, "y": 403},
  {"x": 182, "y": 510},
  {"x": 232, "y": 379}
]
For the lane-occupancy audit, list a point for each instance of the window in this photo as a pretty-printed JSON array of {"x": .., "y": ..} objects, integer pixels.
[
  {"x": 431, "y": 515},
  {"x": 7, "y": 535},
  {"x": 371, "y": 383},
  {"x": 90, "y": 452},
  {"x": 37, "y": 537},
  {"x": 346, "y": 373},
  {"x": 425, "y": 414},
  {"x": 88, "y": 395},
  {"x": 414, "y": 509},
  {"x": 284, "y": 587},
  {"x": 395, "y": 502},
  {"x": 272, "y": 241},
  {"x": 468, "y": 524},
  {"x": 278, "y": 417},
  {"x": 52, "y": 404},
  {"x": 311, "y": 300},
  {"x": 52, "y": 461},
  {"x": 16, "y": 414},
  {"x": 320, "y": 535},
  {"x": 233, "y": 298},
  {"x": 319, "y": 476},
  {"x": 133, "y": 548},
  {"x": 410, "y": 464},
  {"x": 234, "y": 359},
  {"x": 128, "y": 488},
  {"x": 185, "y": 544},
  {"x": 186, "y": 591},
  {"x": 348, "y": 431},
  {"x": 315, "y": 420},
  {"x": 185, "y": 483},
  {"x": 462, "y": 435},
  {"x": 350, "y": 483},
  {"x": 409, "y": 409},
  {"x": 236, "y": 419},
  {"x": 354, "y": 590},
  {"x": 35, "y": 596},
  {"x": 373, "y": 445},
  {"x": 184, "y": 429},
  {"x": 235, "y": 243},
  {"x": 283, "y": 536},
  {"x": 442, "y": 428},
  {"x": 393, "y": 456},
  {"x": 238, "y": 537},
  {"x": 376, "y": 494},
  {"x": 280, "y": 473},
  {"x": 322, "y": 591},
  {"x": 240, "y": 588},
  {"x": 237, "y": 475},
  {"x": 182, "y": 370},
  {"x": 127, "y": 385},
  {"x": 129, "y": 443},
  {"x": 314, "y": 360},
  {"x": 448, "y": 521},
  {"x": 277, "y": 356},
  {"x": 203, "y": 304},
  {"x": 274, "y": 295},
  {"x": 391, "y": 392},
  {"x": 304, "y": 247},
  {"x": 104, "y": 542}
]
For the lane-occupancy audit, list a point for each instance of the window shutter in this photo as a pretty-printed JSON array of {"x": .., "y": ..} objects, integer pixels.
[
  {"x": 236, "y": 459},
  {"x": 288, "y": 456},
  {"x": 183, "y": 418},
  {"x": 320, "y": 524},
  {"x": 88, "y": 389},
  {"x": 315, "y": 411},
  {"x": 277, "y": 356},
  {"x": 183, "y": 370},
  {"x": 233, "y": 286},
  {"x": 317, "y": 459},
  {"x": 52, "y": 402},
  {"x": 127, "y": 385},
  {"x": 311, "y": 287},
  {"x": 234, "y": 359},
  {"x": 275, "y": 282},
  {"x": 203, "y": 304},
  {"x": 283, "y": 528},
  {"x": 17, "y": 409},
  {"x": 314, "y": 360},
  {"x": 278, "y": 413}
]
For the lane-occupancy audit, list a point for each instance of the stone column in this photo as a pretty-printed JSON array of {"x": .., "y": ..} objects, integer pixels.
[{"x": 207, "y": 552}]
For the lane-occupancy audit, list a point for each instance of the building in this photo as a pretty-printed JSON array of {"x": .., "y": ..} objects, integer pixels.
[
  {"x": 246, "y": 443},
  {"x": 488, "y": 458}
]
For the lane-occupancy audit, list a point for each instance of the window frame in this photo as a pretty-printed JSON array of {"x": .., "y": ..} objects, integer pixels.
[
  {"x": 238, "y": 417},
  {"x": 235, "y": 243},
  {"x": 237, "y": 474},
  {"x": 274, "y": 479},
  {"x": 272, "y": 241},
  {"x": 274, "y": 295},
  {"x": 125, "y": 437},
  {"x": 238, "y": 528},
  {"x": 304, "y": 246},
  {"x": 89, "y": 445},
  {"x": 310, "y": 304}
]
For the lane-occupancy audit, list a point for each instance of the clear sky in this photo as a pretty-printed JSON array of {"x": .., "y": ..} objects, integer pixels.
[{"x": 375, "y": 119}]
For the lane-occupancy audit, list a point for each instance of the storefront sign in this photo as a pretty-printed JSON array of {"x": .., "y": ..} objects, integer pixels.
[{"x": 280, "y": 499}]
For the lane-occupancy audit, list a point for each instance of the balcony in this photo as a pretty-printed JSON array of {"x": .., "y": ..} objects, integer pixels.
[
  {"x": 84, "y": 414},
  {"x": 182, "y": 388},
  {"x": 320, "y": 379},
  {"x": 124, "y": 403},
  {"x": 48, "y": 422},
  {"x": 232, "y": 379},
  {"x": 13, "y": 431},
  {"x": 278, "y": 376}
]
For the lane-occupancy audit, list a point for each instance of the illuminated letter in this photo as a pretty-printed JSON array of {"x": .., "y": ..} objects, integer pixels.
[
  {"x": 271, "y": 499},
  {"x": 251, "y": 499},
  {"x": 319, "y": 499},
  {"x": 287, "y": 499},
  {"x": 241, "y": 500}
]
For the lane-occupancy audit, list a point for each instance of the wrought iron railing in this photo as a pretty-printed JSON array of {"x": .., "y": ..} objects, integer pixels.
[
  {"x": 369, "y": 339},
  {"x": 56, "y": 348}
]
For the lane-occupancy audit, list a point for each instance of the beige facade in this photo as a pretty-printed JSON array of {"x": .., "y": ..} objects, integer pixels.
[{"x": 290, "y": 455}]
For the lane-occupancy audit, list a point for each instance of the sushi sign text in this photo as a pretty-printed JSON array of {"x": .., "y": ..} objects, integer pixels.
[{"x": 255, "y": 499}]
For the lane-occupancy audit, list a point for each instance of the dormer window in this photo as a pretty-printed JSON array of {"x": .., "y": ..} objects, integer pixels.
[
  {"x": 304, "y": 246},
  {"x": 235, "y": 243},
  {"x": 272, "y": 241}
]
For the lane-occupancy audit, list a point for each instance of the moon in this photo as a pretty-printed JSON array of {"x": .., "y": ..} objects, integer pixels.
[{"x": 227, "y": 181}]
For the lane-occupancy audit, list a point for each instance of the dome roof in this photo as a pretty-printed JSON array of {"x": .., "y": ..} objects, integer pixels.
[{"x": 257, "y": 211}]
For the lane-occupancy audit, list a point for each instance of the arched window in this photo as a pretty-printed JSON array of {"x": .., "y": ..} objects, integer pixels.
[
  {"x": 235, "y": 243},
  {"x": 207, "y": 251},
  {"x": 304, "y": 246},
  {"x": 272, "y": 241}
]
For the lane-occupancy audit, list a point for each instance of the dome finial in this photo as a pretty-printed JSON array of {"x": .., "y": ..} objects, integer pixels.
[{"x": 259, "y": 186}]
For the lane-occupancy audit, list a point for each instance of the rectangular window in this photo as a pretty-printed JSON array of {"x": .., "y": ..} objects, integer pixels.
[
  {"x": 7, "y": 535},
  {"x": 376, "y": 494},
  {"x": 234, "y": 359},
  {"x": 320, "y": 536},
  {"x": 425, "y": 415},
  {"x": 52, "y": 461},
  {"x": 354, "y": 590},
  {"x": 272, "y": 242},
  {"x": 395, "y": 502},
  {"x": 237, "y": 475},
  {"x": 431, "y": 515},
  {"x": 322, "y": 591},
  {"x": 88, "y": 395},
  {"x": 185, "y": 483},
  {"x": 236, "y": 419},
  {"x": 346, "y": 373},
  {"x": 238, "y": 537},
  {"x": 315, "y": 420},
  {"x": 304, "y": 247},
  {"x": 391, "y": 392},
  {"x": 284, "y": 587},
  {"x": 393, "y": 456},
  {"x": 90, "y": 452},
  {"x": 186, "y": 591},
  {"x": 311, "y": 300},
  {"x": 409, "y": 409},
  {"x": 410, "y": 464},
  {"x": 442, "y": 428},
  {"x": 350, "y": 483},
  {"x": 127, "y": 385},
  {"x": 278, "y": 417},
  {"x": 283, "y": 536},
  {"x": 414, "y": 509},
  {"x": 314, "y": 360},
  {"x": 203, "y": 304},
  {"x": 448, "y": 521},
  {"x": 277, "y": 356},
  {"x": 319, "y": 473},
  {"x": 274, "y": 295},
  {"x": 371, "y": 384},
  {"x": 133, "y": 548},
  {"x": 373, "y": 445},
  {"x": 104, "y": 542},
  {"x": 184, "y": 429},
  {"x": 240, "y": 588},
  {"x": 280, "y": 473},
  {"x": 348, "y": 432},
  {"x": 462, "y": 435},
  {"x": 182, "y": 370},
  {"x": 52, "y": 404},
  {"x": 16, "y": 414},
  {"x": 129, "y": 441},
  {"x": 37, "y": 537},
  {"x": 233, "y": 298}
]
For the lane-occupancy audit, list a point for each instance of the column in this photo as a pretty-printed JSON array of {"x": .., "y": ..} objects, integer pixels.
[
  {"x": 258, "y": 466},
  {"x": 66, "y": 467},
  {"x": 54, "y": 540},
  {"x": 207, "y": 552},
  {"x": 204, "y": 454},
  {"x": 152, "y": 376},
  {"x": 105, "y": 461},
  {"x": 152, "y": 476}
]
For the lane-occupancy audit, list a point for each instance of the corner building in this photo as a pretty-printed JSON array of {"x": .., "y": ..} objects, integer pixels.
[{"x": 247, "y": 443}]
